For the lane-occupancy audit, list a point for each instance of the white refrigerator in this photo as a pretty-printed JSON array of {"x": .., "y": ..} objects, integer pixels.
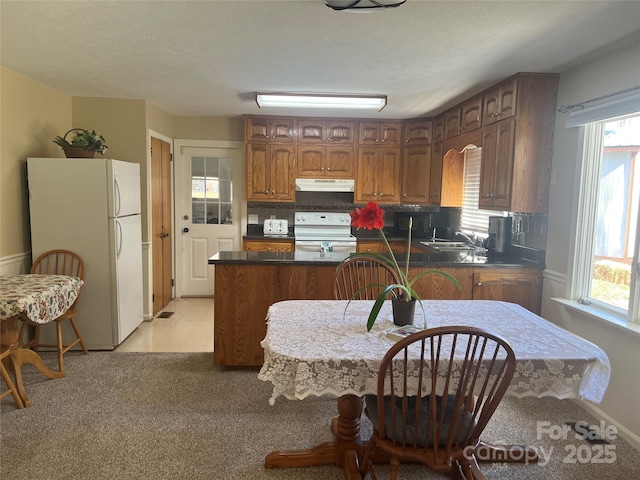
[{"x": 92, "y": 207}]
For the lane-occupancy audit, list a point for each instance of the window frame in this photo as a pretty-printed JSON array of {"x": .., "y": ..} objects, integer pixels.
[{"x": 589, "y": 155}]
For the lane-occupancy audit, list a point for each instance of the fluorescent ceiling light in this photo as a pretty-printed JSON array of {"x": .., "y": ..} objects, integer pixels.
[{"x": 319, "y": 100}]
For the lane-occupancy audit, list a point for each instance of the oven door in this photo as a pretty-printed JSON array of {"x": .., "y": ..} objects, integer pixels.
[{"x": 317, "y": 246}]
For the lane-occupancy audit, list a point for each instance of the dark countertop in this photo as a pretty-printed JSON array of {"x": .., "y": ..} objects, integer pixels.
[{"x": 452, "y": 260}]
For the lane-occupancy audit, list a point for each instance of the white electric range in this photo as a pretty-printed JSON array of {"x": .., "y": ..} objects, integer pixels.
[{"x": 323, "y": 232}]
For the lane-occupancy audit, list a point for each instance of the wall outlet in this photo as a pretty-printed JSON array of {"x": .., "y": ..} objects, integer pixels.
[{"x": 253, "y": 218}]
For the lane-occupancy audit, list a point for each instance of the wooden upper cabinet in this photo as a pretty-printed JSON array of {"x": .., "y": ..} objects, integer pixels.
[
  {"x": 471, "y": 115},
  {"x": 416, "y": 172},
  {"x": 388, "y": 134},
  {"x": 435, "y": 175},
  {"x": 497, "y": 165},
  {"x": 378, "y": 175},
  {"x": 452, "y": 178},
  {"x": 500, "y": 102},
  {"x": 438, "y": 129},
  {"x": 418, "y": 132},
  {"x": 270, "y": 129},
  {"x": 452, "y": 121},
  {"x": 322, "y": 131},
  {"x": 270, "y": 172},
  {"x": 336, "y": 161}
]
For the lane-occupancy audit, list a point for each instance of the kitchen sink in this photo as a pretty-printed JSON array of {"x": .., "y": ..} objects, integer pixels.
[{"x": 449, "y": 246}]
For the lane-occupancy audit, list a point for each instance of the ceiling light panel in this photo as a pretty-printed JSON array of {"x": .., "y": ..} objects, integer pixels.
[{"x": 373, "y": 102}]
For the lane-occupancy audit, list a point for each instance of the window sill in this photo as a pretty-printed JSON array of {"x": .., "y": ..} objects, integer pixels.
[{"x": 609, "y": 319}]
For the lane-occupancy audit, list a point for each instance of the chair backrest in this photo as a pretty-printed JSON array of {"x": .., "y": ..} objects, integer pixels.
[
  {"x": 461, "y": 373},
  {"x": 358, "y": 272},
  {"x": 59, "y": 262}
]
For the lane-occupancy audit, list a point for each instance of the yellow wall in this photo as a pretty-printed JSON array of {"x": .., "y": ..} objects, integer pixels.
[
  {"x": 159, "y": 121},
  {"x": 32, "y": 115},
  {"x": 209, "y": 128}
]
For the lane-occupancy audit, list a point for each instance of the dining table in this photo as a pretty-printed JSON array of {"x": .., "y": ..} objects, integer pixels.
[
  {"x": 322, "y": 347},
  {"x": 37, "y": 299}
]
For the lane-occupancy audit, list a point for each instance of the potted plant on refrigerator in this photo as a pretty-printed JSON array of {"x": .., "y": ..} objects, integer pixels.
[{"x": 82, "y": 143}]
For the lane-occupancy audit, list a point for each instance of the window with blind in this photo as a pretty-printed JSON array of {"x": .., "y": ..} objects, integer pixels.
[{"x": 473, "y": 219}]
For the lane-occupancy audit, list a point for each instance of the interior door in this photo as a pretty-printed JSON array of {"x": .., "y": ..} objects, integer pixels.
[
  {"x": 208, "y": 213},
  {"x": 161, "y": 243}
]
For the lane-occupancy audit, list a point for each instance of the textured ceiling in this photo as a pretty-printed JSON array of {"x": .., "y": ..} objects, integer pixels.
[{"x": 208, "y": 58}]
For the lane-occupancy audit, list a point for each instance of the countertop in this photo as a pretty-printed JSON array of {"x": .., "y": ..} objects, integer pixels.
[{"x": 453, "y": 260}]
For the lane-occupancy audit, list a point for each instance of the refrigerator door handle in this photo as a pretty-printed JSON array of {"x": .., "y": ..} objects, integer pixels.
[
  {"x": 118, "y": 199},
  {"x": 118, "y": 237}
]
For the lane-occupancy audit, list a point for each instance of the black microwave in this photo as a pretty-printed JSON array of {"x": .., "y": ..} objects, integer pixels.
[{"x": 421, "y": 224}]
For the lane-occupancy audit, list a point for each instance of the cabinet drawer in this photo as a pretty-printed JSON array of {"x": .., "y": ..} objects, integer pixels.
[{"x": 268, "y": 245}]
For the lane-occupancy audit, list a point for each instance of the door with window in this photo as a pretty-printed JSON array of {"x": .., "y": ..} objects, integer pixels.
[{"x": 208, "y": 213}]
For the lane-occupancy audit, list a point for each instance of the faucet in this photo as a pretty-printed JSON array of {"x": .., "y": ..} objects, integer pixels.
[{"x": 470, "y": 241}]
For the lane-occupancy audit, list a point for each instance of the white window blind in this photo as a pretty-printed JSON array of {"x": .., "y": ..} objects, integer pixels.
[{"x": 473, "y": 219}]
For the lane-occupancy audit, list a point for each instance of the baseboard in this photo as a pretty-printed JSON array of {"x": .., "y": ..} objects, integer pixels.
[{"x": 624, "y": 432}]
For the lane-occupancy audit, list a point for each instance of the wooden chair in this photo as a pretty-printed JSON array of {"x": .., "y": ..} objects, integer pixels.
[
  {"x": 11, "y": 388},
  {"x": 358, "y": 272},
  {"x": 59, "y": 262},
  {"x": 441, "y": 427}
]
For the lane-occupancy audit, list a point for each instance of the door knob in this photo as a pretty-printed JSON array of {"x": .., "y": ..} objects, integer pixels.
[{"x": 185, "y": 230}]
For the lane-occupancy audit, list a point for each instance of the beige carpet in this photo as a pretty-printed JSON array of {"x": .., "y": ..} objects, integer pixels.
[{"x": 176, "y": 416}]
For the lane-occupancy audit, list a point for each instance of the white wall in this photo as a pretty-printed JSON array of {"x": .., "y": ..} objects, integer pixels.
[{"x": 610, "y": 73}]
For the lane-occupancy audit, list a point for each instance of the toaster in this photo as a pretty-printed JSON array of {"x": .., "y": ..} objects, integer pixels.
[{"x": 274, "y": 227}]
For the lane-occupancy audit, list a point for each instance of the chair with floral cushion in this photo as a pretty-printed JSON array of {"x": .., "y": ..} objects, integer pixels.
[
  {"x": 59, "y": 262},
  {"x": 353, "y": 275},
  {"x": 437, "y": 389}
]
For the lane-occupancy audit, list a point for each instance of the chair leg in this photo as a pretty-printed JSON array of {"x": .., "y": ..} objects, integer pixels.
[
  {"x": 11, "y": 388},
  {"x": 77, "y": 332},
  {"x": 60, "y": 346},
  {"x": 395, "y": 465}
]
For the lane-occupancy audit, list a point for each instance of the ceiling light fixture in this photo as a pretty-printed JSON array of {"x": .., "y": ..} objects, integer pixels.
[
  {"x": 362, "y": 5},
  {"x": 320, "y": 100}
]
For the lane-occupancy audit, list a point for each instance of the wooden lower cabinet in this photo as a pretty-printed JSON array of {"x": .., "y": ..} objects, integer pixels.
[
  {"x": 244, "y": 293},
  {"x": 378, "y": 246},
  {"x": 522, "y": 286},
  {"x": 268, "y": 245}
]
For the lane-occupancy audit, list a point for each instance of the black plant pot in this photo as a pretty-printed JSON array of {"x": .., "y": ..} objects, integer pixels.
[{"x": 403, "y": 311}]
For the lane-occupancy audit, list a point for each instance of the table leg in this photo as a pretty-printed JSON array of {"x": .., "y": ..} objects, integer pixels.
[
  {"x": 346, "y": 431},
  {"x": 18, "y": 356}
]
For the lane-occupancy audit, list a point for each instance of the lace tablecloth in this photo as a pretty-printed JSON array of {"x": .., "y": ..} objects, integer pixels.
[
  {"x": 313, "y": 348},
  {"x": 42, "y": 298}
]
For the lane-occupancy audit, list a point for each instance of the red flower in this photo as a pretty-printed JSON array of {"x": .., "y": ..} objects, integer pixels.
[{"x": 370, "y": 217}]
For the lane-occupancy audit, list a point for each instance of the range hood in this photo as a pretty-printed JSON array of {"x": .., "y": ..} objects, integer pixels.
[{"x": 324, "y": 185}]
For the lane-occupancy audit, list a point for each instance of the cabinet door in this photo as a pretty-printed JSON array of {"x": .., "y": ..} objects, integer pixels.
[
  {"x": 437, "y": 287},
  {"x": 471, "y": 115},
  {"x": 311, "y": 161},
  {"x": 416, "y": 172},
  {"x": 500, "y": 102},
  {"x": 418, "y": 132},
  {"x": 368, "y": 133},
  {"x": 389, "y": 175},
  {"x": 340, "y": 132},
  {"x": 282, "y": 176},
  {"x": 311, "y": 131},
  {"x": 339, "y": 161},
  {"x": 366, "y": 187},
  {"x": 256, "y": 129},
  {"x": 438, "y": 129},
  {"x": 282, "y": 130},
  {"x": 257, "y": 171},
  {"x": 520, "y": 286},
  {"x": 452, "y": 123},
  {"x": 497, "y": 165},
  {"x": 435, "y": 176},
  {"x": 268, "y": 245},
  {"x": 391, "y": 134}
]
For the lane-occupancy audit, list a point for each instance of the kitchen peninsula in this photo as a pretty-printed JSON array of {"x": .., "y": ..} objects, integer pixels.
[{"x": 247, "y": 283}]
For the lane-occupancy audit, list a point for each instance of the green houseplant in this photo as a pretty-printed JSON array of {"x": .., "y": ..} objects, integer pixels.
[
  {"x": 82, "y": 143},
  {"x": 372, "y": 217}
]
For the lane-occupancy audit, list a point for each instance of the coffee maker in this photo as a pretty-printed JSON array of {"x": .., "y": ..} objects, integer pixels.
[{"x": 499, "y": 234}]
